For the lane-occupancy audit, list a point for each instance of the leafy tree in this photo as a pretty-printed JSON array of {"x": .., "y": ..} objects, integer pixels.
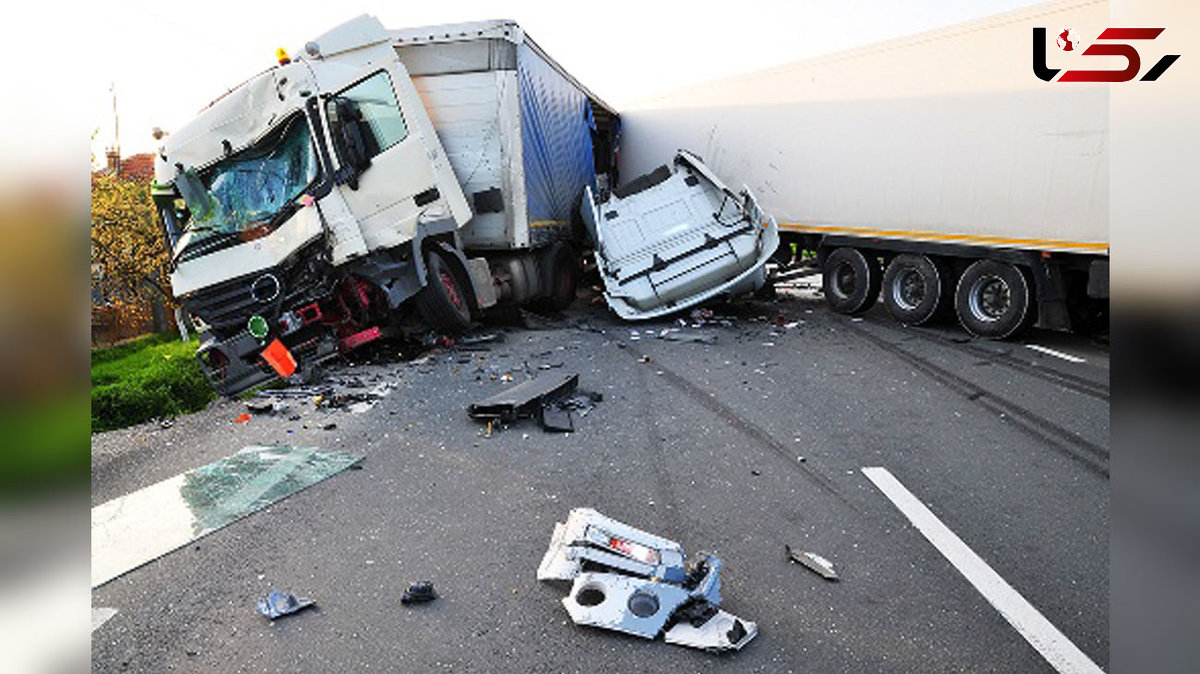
[{"x": 127, "y": 244}]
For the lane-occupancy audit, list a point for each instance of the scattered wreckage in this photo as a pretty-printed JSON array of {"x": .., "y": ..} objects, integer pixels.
[
  {"x": 646, "y": 588},
  {"x": 677, "y": 237},
  {"x": 551, "y": 398}
]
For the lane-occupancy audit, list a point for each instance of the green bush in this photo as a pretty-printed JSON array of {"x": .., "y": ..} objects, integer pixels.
[{"x": 151, "y": 377}]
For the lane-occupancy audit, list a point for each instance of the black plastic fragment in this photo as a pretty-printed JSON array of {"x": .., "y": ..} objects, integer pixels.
[
  {"x": 524, "y": 399},
  {"x": 557, "y": 419},
  {"x": 419, "y": 593}
]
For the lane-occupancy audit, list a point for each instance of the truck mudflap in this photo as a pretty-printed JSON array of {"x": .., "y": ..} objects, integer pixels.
[{"x": 677, "y": 237}]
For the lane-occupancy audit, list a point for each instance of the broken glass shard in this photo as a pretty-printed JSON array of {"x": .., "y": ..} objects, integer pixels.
[{"x": 137, "y": 528}]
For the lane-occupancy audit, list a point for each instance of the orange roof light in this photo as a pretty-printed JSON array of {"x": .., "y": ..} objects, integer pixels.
[{"x": 282, "y": 56}]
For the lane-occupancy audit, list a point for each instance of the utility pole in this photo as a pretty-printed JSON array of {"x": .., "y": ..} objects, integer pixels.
[{"x": 116, "y": 151}]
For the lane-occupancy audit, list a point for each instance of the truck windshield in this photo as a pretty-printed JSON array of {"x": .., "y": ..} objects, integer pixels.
[{"x": 246, "y": 190}]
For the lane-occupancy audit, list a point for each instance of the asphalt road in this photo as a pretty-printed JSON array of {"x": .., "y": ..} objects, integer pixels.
[{"x": 735, "y": 448}]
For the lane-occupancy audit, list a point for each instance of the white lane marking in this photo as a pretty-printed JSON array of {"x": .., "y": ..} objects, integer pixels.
[
  {"x": 1054, "y": 646},
  {"x": 101, "y": 616},
  {"x": 1057, "y": 354}
]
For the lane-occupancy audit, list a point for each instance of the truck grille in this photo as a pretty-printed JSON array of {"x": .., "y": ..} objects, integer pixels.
[{"x": 226, "y": 306}]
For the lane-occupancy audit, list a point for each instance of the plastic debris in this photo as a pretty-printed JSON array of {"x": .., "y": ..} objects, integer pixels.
[
  {"x": 241, "y": 418},
  {"x": 557, "y": 419},
  {"x": 527, "y": 399},
  {"x": 277, "y": 604},
  {"x": 643, "y": 587},
  {"x": 419, "y": 593},
  {"x": 823, "y": 567}
]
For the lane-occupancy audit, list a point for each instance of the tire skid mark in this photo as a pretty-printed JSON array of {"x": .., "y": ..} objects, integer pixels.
[
  {"x": 1086, "y": 452},
  {"x": 745, "y": 427}
]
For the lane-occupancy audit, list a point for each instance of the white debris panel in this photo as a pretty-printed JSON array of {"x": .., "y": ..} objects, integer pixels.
[
  {"x": 632, "y": 581},
  {"x": 677, "y": 237}
]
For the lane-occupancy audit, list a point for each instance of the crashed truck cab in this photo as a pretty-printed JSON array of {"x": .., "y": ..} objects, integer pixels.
[
  {"x": 677, "y": 237},
  {"x": 301, "y": 206}
]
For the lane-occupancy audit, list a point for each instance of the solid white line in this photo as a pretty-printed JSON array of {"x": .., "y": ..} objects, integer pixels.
[
  {"x": 1057, "y": 354},
  {"x": 1054, "y": 646}
]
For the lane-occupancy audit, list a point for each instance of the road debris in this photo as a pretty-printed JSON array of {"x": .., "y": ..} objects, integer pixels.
[
  {"x": 823, "y": 567},
  {"x": 136, "y": 528},
  {"x": 677, "y": 335},
  {"x": 419, "y": 593},
  {"x": 546, "y": 398},
  {"x": 277, "y": 604},
  {"x": 266, "y": 406},
  {"x": 645, "y": 588},
  {"x": 241, "y": 418},
  {"x": 697, "y": 240},
  {"x": 557, "y": 419}
]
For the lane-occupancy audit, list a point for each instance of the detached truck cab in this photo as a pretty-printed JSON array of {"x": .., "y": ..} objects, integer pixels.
[{"x": 439, "y": 169}]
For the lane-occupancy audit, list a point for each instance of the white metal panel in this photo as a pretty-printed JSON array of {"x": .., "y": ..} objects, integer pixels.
[
  {"x": 465, "y": 109},
  {"x": 947, "y": 133},
  {"x": 242, "y": 259}
]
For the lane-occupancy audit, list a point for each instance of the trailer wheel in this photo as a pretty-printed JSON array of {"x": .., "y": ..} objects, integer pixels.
[
  {"x": 443, "y": 302},
  {"x": 992, "y": 299},
  {"x": 914, "y": 288},
  {"x": 563, "y": 279},
  {"x": 852, "y": 281}
]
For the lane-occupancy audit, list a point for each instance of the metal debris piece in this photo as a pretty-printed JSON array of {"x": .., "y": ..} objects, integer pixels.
[
  {"x": 471, "y": 340},
  {"x": 812, "y": 560},
  {"x": 419, "y": 593},
  {"x": 643, "y": 586},
  {"x": 277, "y": 604},
  {"x": 696, "y": 337},
  {"x": 524, "y": 399},
  {"x": 722, "y": 632}
]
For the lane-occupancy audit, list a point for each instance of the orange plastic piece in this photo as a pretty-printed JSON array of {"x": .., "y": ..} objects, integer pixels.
[
  {"x": 242, "y": 419},
  {"x": 278, "y": 357}
]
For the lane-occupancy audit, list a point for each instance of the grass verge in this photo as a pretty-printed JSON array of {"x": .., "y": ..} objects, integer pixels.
[{"x": 150, "y": 377}]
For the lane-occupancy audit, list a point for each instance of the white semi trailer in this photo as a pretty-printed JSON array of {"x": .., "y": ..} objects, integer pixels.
[
  {"x": 440, "y": 168},
  {"x": 937, "y": 167}
]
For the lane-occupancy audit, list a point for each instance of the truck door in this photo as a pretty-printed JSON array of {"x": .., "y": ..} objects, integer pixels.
[{"x": 384, "y": 167}]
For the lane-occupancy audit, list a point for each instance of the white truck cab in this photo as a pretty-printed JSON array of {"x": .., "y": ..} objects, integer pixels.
[{"x": 306, "y": 207}]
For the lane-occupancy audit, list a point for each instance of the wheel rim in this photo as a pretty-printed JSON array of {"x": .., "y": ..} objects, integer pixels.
[
  {"x": 451, "y": 289},
  {"x": 908, "y": 290},
  {"x": 990, "y": 298},
  {"x": 845, "y": 281}
]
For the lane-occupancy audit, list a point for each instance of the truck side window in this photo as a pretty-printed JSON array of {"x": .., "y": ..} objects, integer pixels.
[{"x": 379, "y": 112}]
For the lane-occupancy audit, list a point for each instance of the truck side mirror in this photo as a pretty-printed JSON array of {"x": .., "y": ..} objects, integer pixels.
[{"x": 346, "y": 126}]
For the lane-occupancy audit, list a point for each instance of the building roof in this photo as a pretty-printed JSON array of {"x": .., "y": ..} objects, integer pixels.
[{"x": 139, "y": 166}]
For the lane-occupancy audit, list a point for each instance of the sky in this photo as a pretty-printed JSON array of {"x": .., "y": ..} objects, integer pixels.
[{"x": 164, "y": 61}]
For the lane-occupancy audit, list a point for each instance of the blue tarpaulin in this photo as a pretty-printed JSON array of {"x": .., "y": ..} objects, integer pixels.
[{"x": 556, "y": 123}]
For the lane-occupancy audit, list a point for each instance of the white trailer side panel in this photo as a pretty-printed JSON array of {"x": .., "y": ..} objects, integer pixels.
[
  {"x": 475, "y": 115},
  {"x": 946, "y": 136}
]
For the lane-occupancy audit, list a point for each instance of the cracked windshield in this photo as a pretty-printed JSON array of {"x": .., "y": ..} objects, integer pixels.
[{"x": 248, "y": 189}]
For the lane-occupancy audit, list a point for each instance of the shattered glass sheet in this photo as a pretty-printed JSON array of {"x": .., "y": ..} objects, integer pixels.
[{"x": 137, "y": 528}]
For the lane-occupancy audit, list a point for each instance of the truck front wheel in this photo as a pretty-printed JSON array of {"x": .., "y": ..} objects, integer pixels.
[
  {"x": 992, "y": 299},
  {"x": 851, "y": 281},
  {"x": 914, "y": 288},
  {"x": 443, "y": 300}
]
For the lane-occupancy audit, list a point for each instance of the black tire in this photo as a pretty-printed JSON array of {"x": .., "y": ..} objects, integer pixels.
[
  {"x": 443, "y": 302},
  {"x": 914, "y": 288},
  {"x": 993, "y": 299},
  {"x": 563, "y": 279},
  {"x": 851, "y": 281}
]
